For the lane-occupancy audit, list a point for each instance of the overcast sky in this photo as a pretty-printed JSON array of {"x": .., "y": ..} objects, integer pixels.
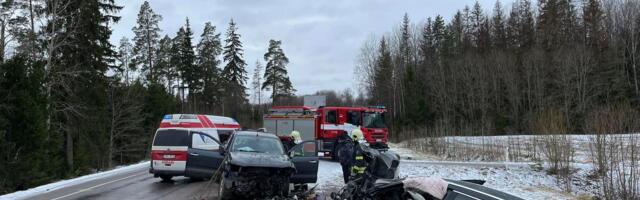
[{"x": 321, "y": 38}]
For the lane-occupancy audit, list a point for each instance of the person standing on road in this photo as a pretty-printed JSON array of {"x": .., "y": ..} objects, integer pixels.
[
  {"x": 346, "y": 155},
  {"x": 359, "y": 165},
  {"x": 352, "y": 156}
]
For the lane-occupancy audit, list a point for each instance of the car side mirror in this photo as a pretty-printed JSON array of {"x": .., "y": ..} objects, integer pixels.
[{"x": 221, "y": 150}]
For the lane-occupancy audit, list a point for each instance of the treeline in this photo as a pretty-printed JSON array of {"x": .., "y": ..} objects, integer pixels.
[
  {"x": 72, "y": 103},
  {"x": 509, "y": 70}
]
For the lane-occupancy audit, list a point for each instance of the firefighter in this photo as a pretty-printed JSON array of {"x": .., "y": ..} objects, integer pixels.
[
  {"x": 293, "y": 140},
  {"x": 352, "y": 156},
  {"x": 359, "y": 164},
  {"x": 346, "y": 155}
]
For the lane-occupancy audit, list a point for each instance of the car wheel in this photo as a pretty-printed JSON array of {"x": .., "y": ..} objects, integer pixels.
[{"x": 166, "y": 178}]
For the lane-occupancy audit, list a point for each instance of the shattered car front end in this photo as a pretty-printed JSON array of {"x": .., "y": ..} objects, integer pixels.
[{"x": 251, "y": 175}]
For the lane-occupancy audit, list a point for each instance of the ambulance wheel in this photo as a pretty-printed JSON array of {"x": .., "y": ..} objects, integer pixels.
[{"x": 166, "y": 178}]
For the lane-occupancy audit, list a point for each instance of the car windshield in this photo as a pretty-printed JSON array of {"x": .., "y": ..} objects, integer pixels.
[
  {"x": 374, "y": 120},
  {"x": 257, "y": 144}
]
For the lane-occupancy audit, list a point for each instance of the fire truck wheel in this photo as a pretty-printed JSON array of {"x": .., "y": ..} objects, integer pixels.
[{"x": 335, "y": 156}]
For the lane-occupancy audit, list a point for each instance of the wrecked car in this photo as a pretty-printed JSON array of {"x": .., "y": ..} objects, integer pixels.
[
  {"x": 381, "y": 181},
  {"x": 257, "y": 166}
]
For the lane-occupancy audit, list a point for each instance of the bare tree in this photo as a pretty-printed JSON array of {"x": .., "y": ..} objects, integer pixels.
[{"x": 125, "y": 121}]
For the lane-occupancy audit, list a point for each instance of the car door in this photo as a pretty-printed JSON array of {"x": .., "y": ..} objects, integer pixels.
[
  {"x": 204, "y": 156},
  {"x": 305, "y": 157}
]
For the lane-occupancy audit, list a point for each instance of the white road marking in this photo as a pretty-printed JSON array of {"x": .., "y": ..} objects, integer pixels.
[{"x": 95, "y": 186}]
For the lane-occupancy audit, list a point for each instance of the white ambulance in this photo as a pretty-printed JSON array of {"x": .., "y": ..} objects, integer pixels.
[{"x": 189, "y": 145}]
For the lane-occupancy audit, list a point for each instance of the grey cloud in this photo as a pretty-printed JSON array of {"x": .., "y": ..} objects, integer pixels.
[{"x": 322, "y": 38}]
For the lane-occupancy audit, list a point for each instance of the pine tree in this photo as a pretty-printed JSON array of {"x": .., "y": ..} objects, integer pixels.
[
  {"x": 175, "y": 60},
  {"x": 382, "y": 75},
  {"x": 405, "y": 42},
  {"x": 256, "y": 83},
  {"x": 475, "y": 24},
  {"x": 165, "y": 69},
  {"x": 234, "y": 72},
  {"x": 209, "y": 48},
  {"x": 439, "y": 34},
  {"x": 190, "y": 74},
  {"x": 426, "y": 42},
  {"x": 147, "y": 34},
  {"x": 498, "y": 30},
  {"x": 275, "y": 74},
  {"x": 526, "y": 24},
  {"x": 125, "y": 54}
]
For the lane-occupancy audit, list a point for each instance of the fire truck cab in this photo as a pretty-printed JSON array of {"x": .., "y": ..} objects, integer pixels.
[{"x": 326, "y": 124}]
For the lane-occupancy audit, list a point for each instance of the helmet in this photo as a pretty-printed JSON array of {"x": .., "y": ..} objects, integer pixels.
[
  {"x": 356, "y": 134},
  {"x": 296, "y": 136}
]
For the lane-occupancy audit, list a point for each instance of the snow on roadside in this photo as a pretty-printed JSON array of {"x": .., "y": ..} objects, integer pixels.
[
  {"x": 408, "y": 154},
  {"x": 517, "y": 179},
  {"x": 24, "y": 194},
  {"x": 521, "y": 181}
]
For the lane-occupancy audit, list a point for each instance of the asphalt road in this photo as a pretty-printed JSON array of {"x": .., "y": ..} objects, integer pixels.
[{"x": 137, "y": 184}]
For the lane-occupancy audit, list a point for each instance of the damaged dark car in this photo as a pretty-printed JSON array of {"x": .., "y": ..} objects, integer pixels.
[{"x": 257, "y": 166}]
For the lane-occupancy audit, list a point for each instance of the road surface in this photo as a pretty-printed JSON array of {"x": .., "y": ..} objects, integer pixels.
[{"x": 136, "y": 184}]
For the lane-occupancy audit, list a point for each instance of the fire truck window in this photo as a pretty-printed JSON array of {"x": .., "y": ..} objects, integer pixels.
[
  {"x": 353, "y": 117},
  {"x": 330, "y": 116}
]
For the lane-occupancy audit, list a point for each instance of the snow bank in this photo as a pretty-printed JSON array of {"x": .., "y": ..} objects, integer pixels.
[
  {"x": 519, "y": 179},
  {"x": 71, "y": 182}
]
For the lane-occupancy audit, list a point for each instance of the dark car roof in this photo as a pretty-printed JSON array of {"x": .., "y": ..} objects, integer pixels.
[{"x": 258, "y": 134}]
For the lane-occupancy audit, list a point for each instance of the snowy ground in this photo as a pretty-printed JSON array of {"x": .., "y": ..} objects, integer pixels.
[
  {"x": 71, "y": 182},
  {"x": 519, "y": 179}
]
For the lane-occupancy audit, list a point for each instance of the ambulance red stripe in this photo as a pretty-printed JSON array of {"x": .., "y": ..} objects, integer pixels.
[
  {"x": 205, "y": 121},
  {"x": 177, "y": 155}
]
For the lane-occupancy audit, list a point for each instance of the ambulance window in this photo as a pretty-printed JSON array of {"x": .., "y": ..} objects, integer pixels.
[
  {"x": 188, "y": 117},
  {"x": 330, "y": 116},
  {"x": 353, "y": 117},
  {"x": 171, "y": 138}
]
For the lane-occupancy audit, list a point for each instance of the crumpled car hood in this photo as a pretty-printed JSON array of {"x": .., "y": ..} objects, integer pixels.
[{"x": 249, "y": 159}]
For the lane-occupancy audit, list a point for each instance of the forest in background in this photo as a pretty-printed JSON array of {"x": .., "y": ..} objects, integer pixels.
[
  {"x": 507, "y": 70},
  {"x": 72, "y": 103},
  {"x": 549, "y": 69}
]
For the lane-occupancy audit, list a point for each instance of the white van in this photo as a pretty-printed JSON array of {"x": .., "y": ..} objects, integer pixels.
[
  {"x": 188, "y": 145},
  {"x": 184, "y": 152}
]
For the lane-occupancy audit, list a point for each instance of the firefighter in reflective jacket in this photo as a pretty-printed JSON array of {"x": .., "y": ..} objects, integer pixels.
[
  {"x": 293, "y": 139},
  {"x": 359, "y": 164},
  {"x": 351, "y": 156}
]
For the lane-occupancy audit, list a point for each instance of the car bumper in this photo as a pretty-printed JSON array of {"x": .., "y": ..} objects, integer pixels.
[
  {"x": 157, "y": 173},
  {"x": 250, "y": 186}
]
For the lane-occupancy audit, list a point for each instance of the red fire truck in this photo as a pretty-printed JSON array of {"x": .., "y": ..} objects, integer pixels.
[{"x": 325, "y": 124}]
